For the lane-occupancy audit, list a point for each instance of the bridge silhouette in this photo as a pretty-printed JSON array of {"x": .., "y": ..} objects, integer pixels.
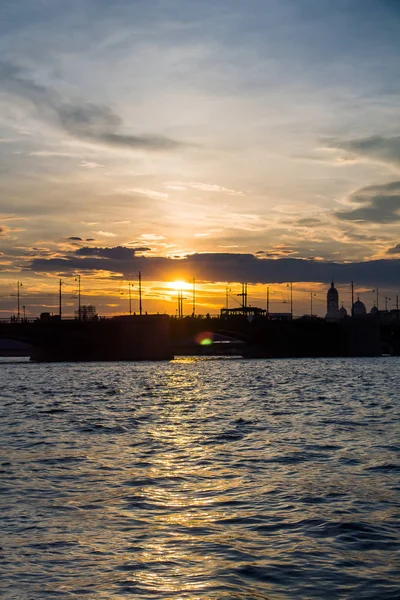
[{"x": 160, "y": 337}]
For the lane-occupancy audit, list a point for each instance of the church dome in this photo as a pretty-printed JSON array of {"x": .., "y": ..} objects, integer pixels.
[
  {"x": 359, "y": 308},
  {"x": 342, "y": 312},
  {"x": 374, "y": 310}
]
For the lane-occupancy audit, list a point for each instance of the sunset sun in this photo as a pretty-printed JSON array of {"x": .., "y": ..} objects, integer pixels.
[{"x": 178, "y": 285}]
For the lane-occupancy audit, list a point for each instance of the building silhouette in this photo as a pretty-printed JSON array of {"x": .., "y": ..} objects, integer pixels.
[
  {"x": 359, "y": 309},
  {"x": 332, "y": 304}
]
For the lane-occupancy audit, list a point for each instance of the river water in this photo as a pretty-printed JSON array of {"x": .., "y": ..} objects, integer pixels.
[{"x": 200, "y": 478}]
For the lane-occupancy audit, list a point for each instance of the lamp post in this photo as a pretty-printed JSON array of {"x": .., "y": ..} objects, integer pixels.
[
  {"x": 19, "y": 285},
  {"x": 60, "y": 283},
  {"x": 312, "y": 295},
  {"x": 140, "y": 293},
  {"x": 377, "y": 297},
  {"x": 227, "y": 292},
  {"x": 290, "y": 285},
  {"x": 130, "y": 298},
  {"x": 78, "y": 279}
]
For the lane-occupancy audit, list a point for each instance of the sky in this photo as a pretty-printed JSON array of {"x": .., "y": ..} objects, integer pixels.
[{"x": 228, "y": 141}]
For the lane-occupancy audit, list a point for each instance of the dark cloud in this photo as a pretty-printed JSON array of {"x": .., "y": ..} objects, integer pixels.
[
  {"x": 223, "y": 267},
  {"x": 309, "y": 222},
  {"x": 276, "y": 252},
  {"x": 380, "y": 148},
  {"x": 92, "y": 122},
  {"x": 75, "y": 238},
  {"x": 23, "y": 88},
  {"x": 90, "y": 240},
  {"x": 116, "y": 253},
  {"x": 377, "y": 204},
  {"x": 394, "y": 250},
  {"x": 359, "y": 237},
  {"x": 100, "y": 124}
]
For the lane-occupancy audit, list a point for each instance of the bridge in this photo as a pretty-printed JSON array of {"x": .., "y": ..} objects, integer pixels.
[
  {"x": 261, "y": 337},
  {"x": 125, "y": 338},
  {"x": 160, "y": 337}
]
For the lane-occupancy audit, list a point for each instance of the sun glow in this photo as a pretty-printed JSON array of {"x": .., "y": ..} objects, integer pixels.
[{"x": 179, "y": 285}]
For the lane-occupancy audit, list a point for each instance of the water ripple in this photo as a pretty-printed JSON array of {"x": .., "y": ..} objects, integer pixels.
[{"x": 200, "y": 478}]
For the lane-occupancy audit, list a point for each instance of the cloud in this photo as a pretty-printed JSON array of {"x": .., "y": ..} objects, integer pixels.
[
  {"x": 91, "y": 122},
  {"x": 221, "y": 267},
  {"x": 100, "y": 124},
  {"x": 204, "y": 187},
  {"x": 360, "y": 237},
  {"x": 90, "y": 165},
  {"x": 116, "y": 253},
  {"x": 75, "y": 238},
  {"x": 309, "y": 222},
  {"x": 105, "y": 233},
  {"x": 149, "y": 193},
  {"x": 377, "y": 148},
  {"x": 8, "y": 231},
  {"x": 376, "y": 204},
  {"x": 154, "y": 237},
  {"x": 277, "y": 252},
  {"x": 394, "y": 250},
  {"x": 48, "y": 153}
]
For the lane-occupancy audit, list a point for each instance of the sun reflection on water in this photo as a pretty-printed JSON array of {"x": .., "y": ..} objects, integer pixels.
[{"x": 192, "y": 499}]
